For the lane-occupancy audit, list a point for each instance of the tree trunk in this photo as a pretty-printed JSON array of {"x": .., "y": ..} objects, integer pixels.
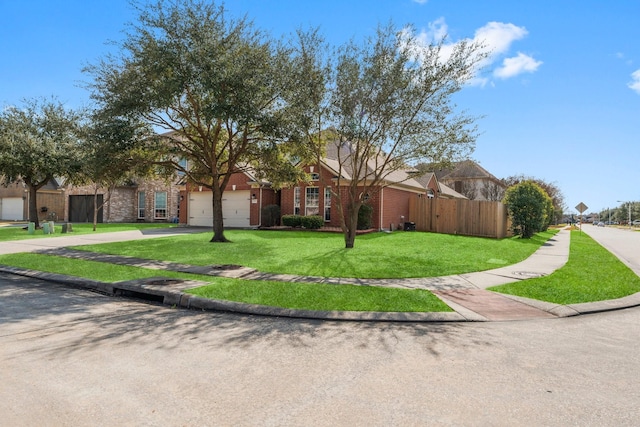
[
  {"x": 218, "y": 222},
  {"x": 33, "y": 205},
  {"x": 95, "y": 208},
  {"x": 352, "y": 226}
]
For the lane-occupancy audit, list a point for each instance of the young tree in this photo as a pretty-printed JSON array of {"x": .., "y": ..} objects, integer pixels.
[
  {"x": 530, "y": 208},
  {"x": 37, "y": 143},
  {"x": 217, "y": 86},
  {"x": 388, "y": 105},
  {"x": 112, "y": 150}
]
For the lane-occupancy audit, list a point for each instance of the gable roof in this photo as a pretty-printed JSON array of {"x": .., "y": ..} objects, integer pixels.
[{"x": 467, "y": 169}]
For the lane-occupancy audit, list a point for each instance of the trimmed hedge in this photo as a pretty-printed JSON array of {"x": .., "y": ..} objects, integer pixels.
[
  {"x": 270, "y": 215},
  {"x": 311, "y": 222},
  {"x": 365, "y": 217}
]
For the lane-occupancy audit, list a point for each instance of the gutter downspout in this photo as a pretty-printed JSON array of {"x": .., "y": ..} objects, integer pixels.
[{"x": 381, "y": 209}]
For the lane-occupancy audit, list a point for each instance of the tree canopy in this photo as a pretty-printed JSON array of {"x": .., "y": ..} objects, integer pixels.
[
  {"x": 38, "y": 141},
  {"x": 388, "y": 104},
  {"x": 529, "y": 207},
  {"x": 215, "y": 85}
]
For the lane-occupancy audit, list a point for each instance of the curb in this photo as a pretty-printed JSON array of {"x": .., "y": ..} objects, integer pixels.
[{"x": 173, "y": 295}]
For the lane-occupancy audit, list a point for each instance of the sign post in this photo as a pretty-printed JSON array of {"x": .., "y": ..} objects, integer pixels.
[{"x": 581, "y": 207}]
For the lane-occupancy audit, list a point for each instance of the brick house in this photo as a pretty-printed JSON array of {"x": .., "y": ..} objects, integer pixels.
[
  {"x": 142, "y": 200},
  {"x": 390, "y": 201}
]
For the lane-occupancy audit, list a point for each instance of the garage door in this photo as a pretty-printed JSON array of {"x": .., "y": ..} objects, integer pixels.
[
  {"x": 11, "y": 208},
  {"x": 236, "y": 209}
]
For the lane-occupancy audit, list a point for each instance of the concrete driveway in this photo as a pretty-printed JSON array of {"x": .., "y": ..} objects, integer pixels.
[{"x": 71, "y": 357}]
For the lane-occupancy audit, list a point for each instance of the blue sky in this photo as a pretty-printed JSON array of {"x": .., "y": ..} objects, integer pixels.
[{"x": 560, "y": 96}]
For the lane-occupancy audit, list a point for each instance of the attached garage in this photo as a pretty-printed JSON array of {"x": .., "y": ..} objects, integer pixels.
[
  {"x": 236, "y": 209},
  {"x": 12, "y": 208},
  {"x": 81, "y": 208}
]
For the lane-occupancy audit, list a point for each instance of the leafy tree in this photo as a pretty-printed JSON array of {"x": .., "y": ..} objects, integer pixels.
[
  {"x": 217, "y": 86},
  {"x": 529, "y": 207},
  {"x": 112, "y": 151},
  {"x": 37, "y": 143},
  {"x": 557, "y": 198},
  {"x": 386, "y": 104}
]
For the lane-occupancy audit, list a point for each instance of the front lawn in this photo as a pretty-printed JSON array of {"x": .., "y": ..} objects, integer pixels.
[
  {"x": 591, "y": 274},
  {"x": 376, "y": 255},
  {"x": 13, "y": 232},
  {"x": 304, "y": 296}
]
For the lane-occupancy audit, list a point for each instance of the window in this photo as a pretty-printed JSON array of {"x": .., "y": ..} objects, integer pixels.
[
  {"x": 296, "y": 201},
  {"x": 182, "y": 162},
  {"x": 327, "y": 204},
  {"x": 141, "y": 204},
  {"x": 160, "y": 206},
  {"x": 315, "y": 176},
  {"x": 312, "y": 201}
]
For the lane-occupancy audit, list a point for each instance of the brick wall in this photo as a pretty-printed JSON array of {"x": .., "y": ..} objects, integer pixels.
[{"x": 54, "y": 203}]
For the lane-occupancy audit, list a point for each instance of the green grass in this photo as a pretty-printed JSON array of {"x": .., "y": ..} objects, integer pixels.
[
  {"x": 323, "y": 297},
  {"x": 591, "y": 274},
  {"x": 376, "y": 255},
  {"x": 276, "y": 294},
  {"x": 20, "y": 233}
]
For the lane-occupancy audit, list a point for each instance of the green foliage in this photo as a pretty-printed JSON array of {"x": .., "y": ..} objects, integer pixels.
[
  {"x": 365, "y": 217},
  {"x": 529, "y": 207},
  {"x": 292, "y": 220},
  {"x": 270, "y": 215},
  {"x": 312, "y": 222},
  {"x": 38, "y": 142}
]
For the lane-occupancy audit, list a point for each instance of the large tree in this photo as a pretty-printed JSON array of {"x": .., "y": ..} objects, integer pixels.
[
  {"x": 388, "y": 104},
  {"x": 529, "y": 207},
  {"x": 215, "y": 85},
  {"x": 38, "y": 141}
]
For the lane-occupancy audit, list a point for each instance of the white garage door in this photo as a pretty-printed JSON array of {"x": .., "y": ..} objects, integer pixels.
[
  {"x": 236, "y": 209},
  {"x": 11, "y": 208}
]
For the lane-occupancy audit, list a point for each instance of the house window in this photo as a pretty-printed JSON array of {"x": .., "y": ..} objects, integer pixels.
[
  {"x": 182, "y": 162},
  {"x": 160, "y": 205},
  {"x": 296, "y": 201},
  {"x": 327, "y": 204},
  {"x": 315, "y": 176},
  {"x": 141, "y": 204},
  {"x": 312, "y": 201}
]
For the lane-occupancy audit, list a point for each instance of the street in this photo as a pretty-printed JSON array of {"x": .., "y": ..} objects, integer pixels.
[{"x": 71, "y": 357}]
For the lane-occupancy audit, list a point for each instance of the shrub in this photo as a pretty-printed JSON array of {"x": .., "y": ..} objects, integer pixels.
[
  {"x": 291, "y": 220},
  {"x": 365, "y": 217},
  {"x": 270, "y": 215},
  {"x": 529, "y": 207},
  {"x": 312, "y": 222}
]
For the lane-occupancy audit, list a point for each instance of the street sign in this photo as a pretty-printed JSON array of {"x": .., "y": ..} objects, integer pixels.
[{"x": 581, "y": 207}]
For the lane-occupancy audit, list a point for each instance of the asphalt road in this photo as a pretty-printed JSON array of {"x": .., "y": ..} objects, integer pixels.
[{"x": 70, "y": 357}]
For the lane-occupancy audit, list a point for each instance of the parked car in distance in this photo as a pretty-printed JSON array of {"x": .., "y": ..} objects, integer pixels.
[
  {"x": 636, "y": 222},
  {"x": 600, "y": 224}
]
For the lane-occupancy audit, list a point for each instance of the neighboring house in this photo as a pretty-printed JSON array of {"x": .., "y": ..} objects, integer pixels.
[
  {"x": 390, "y": 201},
  {"x": 14, "y": 201},
  {"x": 141, "y": 200},
  {"x": 471, "y": 180}
]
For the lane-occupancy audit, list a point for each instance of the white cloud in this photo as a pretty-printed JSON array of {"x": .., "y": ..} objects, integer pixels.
[
  {"x": 498, "y": 36},
  {"x": 635, "y": 83},
  {"x": 420, "y": 1},
  {"x": 517, "y": 65},
  {"x": 496, "y": 39}
]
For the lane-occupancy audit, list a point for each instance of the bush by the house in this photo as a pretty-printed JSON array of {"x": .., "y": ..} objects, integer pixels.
[
  {"x": 291, "y": 220},
  {"x": 530, "y": 208},
  {"x": 365, "y": 217},
  {"x": 312, "y": 222},
  {"x": 270, "y": 215}
]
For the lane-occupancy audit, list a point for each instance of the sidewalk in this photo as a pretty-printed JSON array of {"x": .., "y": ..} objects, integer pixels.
[{"x": 465, "y": 293}]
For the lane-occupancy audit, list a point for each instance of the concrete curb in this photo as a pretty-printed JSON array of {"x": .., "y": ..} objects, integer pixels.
[{"x": 174, "y": 295}]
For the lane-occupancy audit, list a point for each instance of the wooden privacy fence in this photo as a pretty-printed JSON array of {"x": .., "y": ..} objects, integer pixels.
[{"x": 460, "y": 216}]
